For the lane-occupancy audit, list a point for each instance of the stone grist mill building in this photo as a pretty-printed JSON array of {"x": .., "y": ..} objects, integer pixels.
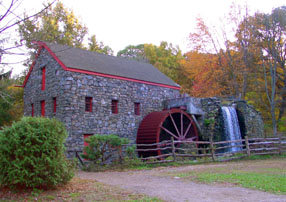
[{"x": 93, "y": 93}]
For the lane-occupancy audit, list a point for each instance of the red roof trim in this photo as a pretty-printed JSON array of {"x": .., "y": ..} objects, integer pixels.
[
  {"x": 31, "y": 68},
  {"x": 43, "y": 45},
  {"x": 121, "y": 78}
]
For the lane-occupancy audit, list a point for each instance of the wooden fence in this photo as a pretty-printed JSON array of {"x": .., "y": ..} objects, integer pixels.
[{"x": 175, "y": 150}]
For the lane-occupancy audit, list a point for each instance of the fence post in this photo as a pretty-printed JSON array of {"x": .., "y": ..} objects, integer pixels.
[
  {"x": 173, "y": 149},
  {"x": 212, "y": 148},
  {"x": 280, "y": 145},
  {"x": 247, "y": 146}
]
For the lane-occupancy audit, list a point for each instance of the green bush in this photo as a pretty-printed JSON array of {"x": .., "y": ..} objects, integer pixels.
[
  {"x": 32, "y": 154},
  {"x": 102, "y": 147}
]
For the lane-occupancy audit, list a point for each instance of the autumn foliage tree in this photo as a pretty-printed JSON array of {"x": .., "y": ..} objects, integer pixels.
[
  {"x": 206, "y": 74},
  {"x": 251, "y": 66}
]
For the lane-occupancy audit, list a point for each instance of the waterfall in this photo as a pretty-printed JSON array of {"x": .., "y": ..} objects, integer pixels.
[{"x": 232, "y": 129}]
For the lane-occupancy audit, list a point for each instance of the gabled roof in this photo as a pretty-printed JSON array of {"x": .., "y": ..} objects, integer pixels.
[{"x": 83, "y": 61}]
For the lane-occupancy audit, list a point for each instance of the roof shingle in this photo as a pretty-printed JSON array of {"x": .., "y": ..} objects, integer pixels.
[{"x": 96, "y": 62}]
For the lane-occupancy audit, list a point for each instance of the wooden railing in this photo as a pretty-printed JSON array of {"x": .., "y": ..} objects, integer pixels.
[
  {"x": 174, "y": 150},
  {"x": 214, "y": 151}
]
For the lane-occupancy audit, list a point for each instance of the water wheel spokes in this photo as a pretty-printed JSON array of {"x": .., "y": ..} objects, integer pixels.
[
  {"x": 180, "y": 134},
  {"x": 161, "y": 126}
]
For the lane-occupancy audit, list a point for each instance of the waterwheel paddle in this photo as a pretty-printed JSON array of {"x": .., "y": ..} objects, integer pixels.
[{"x": 161, "y": 126}]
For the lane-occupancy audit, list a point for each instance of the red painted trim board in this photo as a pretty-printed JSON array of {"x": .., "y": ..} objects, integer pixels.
[{"x": 43, "y": 45}]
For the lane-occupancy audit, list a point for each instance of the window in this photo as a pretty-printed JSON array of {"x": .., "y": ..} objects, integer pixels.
[
  {"x": 114, "y": 106},
  {"x": 88, "y": 104},
  {"x": 137, "y": 108},
  {"x": 54, "y": 104},
  {"x": 43, "y": 78},
  {"x": 43, "y": 107},
  {"x": 32, "y": 105}
]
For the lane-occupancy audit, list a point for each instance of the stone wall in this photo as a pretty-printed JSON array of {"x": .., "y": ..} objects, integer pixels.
[
  {"x": 71, "y": 88},
  {"x": 212, "y": 122},
  {"x": 208, "y": 112},
  {"x": 250, "y": 120},
  {"x": 55, "y": 80}
]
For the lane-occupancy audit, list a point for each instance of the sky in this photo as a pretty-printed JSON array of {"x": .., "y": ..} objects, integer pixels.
[{"x": 119, "y": 23}]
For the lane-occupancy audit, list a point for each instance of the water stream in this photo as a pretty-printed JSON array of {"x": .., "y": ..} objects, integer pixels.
[{"x": 232, "y": 129}]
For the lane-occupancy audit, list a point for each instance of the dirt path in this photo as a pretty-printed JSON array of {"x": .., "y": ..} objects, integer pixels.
[{"x": 153, "y": 183}]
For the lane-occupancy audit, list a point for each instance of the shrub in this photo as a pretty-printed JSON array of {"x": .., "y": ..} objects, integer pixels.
[
  {"x": 32, "y": 154},
  {"x": 102, "y": 147}
]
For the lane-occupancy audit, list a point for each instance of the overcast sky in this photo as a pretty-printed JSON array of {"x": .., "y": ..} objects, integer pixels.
[{"x": 119, "y": 23}]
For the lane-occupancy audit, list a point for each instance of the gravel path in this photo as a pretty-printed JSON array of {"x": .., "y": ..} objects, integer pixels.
[{"x": 153, "y": 183}]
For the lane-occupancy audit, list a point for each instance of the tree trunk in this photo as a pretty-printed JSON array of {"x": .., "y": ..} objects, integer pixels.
[{"x": 274, "y": 122}]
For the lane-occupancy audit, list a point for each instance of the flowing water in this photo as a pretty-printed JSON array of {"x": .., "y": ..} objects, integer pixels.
[{"x": 232, "y": 129}]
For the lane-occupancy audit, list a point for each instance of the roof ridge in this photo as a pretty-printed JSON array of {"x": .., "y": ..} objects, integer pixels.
[
  {"x": 91, "y": 61},
  {"x": 103, "y": 54}
]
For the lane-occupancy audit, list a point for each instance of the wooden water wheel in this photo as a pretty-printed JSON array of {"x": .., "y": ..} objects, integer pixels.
[{"x": 161, "y": 126}]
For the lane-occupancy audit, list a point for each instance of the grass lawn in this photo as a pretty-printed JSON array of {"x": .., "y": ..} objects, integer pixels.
[
  {"x": 268, "y": 174},
  {"x": 76, "y": 190}
]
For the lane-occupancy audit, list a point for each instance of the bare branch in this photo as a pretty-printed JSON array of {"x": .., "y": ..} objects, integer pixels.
[
  {"x": 26, "y": 18},
  {"x": 8, "y": 10}
]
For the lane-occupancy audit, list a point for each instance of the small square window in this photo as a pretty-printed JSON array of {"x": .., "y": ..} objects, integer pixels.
[
  {"x": 114, "y": 106},
  {"x": 137, "y": 108},
  {"x": 88, "y": 104}
]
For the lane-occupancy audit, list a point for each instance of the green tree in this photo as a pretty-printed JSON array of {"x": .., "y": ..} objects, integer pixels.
[
  {"x": 59, "y": 25},
  {"x": 99, "y": 47},
  {"x": 134, "y": 52},
  {"x": 167, "y": 59},
  {"x": 56, "y": 24},
  {"x": 11, "y": 101},
  {"x": 270, "y": 32}
]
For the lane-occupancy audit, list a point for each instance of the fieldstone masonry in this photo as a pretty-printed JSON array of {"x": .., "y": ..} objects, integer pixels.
[
  {"x": 251, "y": 123},
  {"x": 70, "y": 90},
  {"x": 208, "y": 112}
]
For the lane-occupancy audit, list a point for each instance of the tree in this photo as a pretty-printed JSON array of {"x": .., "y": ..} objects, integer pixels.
[
  {"x": 270, "y": 32},
  {"x": 11, "y": 101},
  {"x": 93, "y": 45},
  {"x": 165, "y": 58},
  {"x": 206, "y": 74},
  {"x": 134, "y": 52},
  {"x": 59, "y": 25},
  {"x": 235, "y": 57},
  {"x": 56, "y": 24},
  {"x": 8, "y": 20}
]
